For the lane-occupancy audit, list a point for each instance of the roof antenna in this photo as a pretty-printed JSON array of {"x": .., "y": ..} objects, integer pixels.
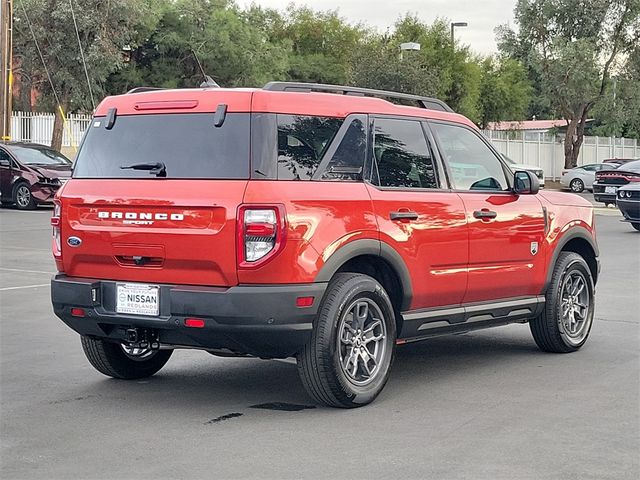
[{"x": 208, "y": 81}]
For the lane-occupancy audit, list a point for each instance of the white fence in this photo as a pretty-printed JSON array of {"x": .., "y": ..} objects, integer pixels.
[
  {"x": 38, "y": 127},
  {"x": 547, "y": 151},
  {"x": 533, "y": 148}
]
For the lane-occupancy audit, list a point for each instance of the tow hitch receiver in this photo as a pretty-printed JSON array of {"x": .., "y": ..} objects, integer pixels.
[{"x": 142, "y": 338}]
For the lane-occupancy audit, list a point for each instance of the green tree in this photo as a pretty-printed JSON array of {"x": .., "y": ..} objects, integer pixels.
[
  {"x": 575, "y": 46},
  {"x": 505, "y": 91},
  {"x": 104, "y": 29}
]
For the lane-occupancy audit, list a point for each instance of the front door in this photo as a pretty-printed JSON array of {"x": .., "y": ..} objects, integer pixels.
[
  {"x": 6, "y": 176},
  {"x": 506, "y": 231},
  {"x": 419, "y": 219}
]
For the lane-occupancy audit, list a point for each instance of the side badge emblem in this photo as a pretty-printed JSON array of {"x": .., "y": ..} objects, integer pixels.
[
  {"x": 534, "y": 248},
  {"x": 74, "y": 241}
]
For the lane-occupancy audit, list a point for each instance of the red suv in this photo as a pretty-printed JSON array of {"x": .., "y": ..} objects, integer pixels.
[{"x": 315, "y": 221}]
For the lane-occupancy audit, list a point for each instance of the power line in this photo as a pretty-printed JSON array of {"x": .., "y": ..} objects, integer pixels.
[{"x": 84, "y": 63}]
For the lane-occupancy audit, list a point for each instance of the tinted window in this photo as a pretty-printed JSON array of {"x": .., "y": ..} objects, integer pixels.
[
  {"x": 590, "y": 168},
  {"x": 189, "y": 145},
  {"x": 472, "y": 163},
  {"x": 347, "y": 161},
  {"x": 36, "y": 155},
  {"x": 302, "y": 141},
  {"x": 402, "y": 155}
]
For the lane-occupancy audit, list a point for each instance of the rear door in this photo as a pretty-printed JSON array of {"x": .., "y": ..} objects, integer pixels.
[
  {"x": 506, "y": 231},
  {"x": 174, "y": 224},
  {"x": 422, "y": 221}
]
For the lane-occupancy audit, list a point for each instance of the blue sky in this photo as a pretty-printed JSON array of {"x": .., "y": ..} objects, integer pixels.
[{"x": 482, "y": 15}]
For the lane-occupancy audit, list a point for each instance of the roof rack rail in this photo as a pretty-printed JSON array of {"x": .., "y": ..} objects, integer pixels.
[
  {"x": 144, "y": 89},
  {"x": 424, "y": 102}
]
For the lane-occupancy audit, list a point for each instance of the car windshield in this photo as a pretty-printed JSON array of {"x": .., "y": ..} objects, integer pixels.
[{"x": 32, "y": 155}]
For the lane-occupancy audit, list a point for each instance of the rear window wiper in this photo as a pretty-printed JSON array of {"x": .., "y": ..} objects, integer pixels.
[{"x": 157, "y": 168}]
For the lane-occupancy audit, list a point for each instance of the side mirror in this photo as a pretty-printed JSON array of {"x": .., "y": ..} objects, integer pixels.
[
  {"x": 525, "y": 183},
  {"x": 4, "y": 162}
]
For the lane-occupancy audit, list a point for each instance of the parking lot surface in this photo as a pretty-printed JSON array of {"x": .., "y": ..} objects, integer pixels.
[{"x": 486, "y": 405}]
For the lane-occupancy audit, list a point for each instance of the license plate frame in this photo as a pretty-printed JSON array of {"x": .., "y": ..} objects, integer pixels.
[
  {"x": 613, "y": 190},
  {"x": 138, "y": 299}
]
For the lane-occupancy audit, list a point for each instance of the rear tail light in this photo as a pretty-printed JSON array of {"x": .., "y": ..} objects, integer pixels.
[
  {"x": 261, "y": 233},
  {"x": 55, "y": 223}
]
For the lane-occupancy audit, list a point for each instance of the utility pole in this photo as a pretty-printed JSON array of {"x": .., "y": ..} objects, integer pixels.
[{"x": 6, "y": 76}]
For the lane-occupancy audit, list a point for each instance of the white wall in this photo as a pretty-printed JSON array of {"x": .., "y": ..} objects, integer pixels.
[{"x": 547, "y": 151}]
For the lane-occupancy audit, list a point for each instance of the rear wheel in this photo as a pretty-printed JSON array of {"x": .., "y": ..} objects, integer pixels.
[
  {"x": 348, "y": 359},
  {"x": 565, "y": 323},
  {"x": 636, "y": 226},
  {"x": 22, "y": 197},
  {"x": 121, "y": 361},
  {"x": 576, "y": 185}
]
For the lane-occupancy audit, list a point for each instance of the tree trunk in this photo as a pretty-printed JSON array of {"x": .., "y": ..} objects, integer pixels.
[
  {"x": 58, "y": 128},
  {"x": 574, "y": 137}
]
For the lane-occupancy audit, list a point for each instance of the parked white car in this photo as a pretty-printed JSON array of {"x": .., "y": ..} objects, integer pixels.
[
  {"x": 537, "y": 171},
  {"x": 580, "y": 178}
]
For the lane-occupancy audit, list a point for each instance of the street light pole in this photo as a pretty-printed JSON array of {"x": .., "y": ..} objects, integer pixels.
[
  {"x": 6, "y": 78},
  {"x": 453, "y": 27}
]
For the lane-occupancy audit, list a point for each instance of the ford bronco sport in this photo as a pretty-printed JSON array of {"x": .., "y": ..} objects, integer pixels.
[{"x": 316, "y": 221}]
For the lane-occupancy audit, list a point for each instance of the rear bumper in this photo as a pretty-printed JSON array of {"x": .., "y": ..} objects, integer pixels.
[{"x": 257, "y": 320}]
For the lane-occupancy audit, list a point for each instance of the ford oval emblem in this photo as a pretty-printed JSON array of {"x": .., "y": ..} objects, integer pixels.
[{"x": 74, "y": 241}]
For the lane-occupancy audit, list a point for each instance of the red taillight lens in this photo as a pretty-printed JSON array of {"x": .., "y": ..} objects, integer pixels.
[
  {"x": 304, "y": 301},
  {"x": 194, "y": 322},
  {"x": 55, "y": 223},
  {"x": 78, "y": 312},
  {"x": 261, "y": 232}
]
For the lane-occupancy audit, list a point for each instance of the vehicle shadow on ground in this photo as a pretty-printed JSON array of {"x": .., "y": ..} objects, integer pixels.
[{"x": 202, "y": 383}]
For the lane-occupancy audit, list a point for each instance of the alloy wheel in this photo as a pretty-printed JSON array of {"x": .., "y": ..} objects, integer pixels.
[
  {"x": 362, "y": 334},
  {"x": 23, "y": 196},
  {"x": 575, "y": 303}
]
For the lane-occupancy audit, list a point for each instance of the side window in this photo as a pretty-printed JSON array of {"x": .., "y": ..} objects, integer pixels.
[
  {"x": 5, "y": 159},
  {"x": 402, "y": 155},
  {"x": 302, "y": 141},
  {"x": 590, "y": 168},
  {"x": 472, "y": 163},
  {"x": 347, "y": 160}
]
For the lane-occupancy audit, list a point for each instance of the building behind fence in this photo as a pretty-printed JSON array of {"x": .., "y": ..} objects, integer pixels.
[{"x": 534, "y": 148}]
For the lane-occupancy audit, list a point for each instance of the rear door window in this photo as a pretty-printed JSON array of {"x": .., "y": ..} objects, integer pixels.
[
  {"x": 402, "y": 155},
  {"x": 189, "y": 145}
]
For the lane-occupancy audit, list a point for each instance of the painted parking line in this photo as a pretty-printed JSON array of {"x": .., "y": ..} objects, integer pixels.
[
  {"x": 20, "y": 270},
  {"x": 24, "y": 286}
]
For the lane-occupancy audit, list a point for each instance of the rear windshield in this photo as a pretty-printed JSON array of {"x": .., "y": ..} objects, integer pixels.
[{"x": 189, "y": 146}]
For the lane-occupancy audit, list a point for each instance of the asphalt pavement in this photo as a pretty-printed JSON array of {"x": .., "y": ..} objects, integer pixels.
[{"x": 485, "y": 405}]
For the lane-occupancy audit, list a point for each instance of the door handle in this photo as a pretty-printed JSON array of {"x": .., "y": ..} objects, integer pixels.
[
  {"x": 485, "y": 214},
  {"x": 403, "y": 215}
]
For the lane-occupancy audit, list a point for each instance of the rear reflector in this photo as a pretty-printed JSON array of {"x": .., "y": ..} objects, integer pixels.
[
  {"x": 78, "y": 312},
  {"x": 304, "y": 301},
  {"x": 194, "y": 322}
]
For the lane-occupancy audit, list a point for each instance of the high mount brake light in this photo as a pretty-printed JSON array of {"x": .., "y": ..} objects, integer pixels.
[{"x": 261, "y": 233}]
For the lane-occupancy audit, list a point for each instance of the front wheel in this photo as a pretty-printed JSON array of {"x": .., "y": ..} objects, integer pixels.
[
  {"x": 22, "y": 197},
  {"x": 120, "y": 361},
  {"x": 565, "y": 323},
  {"x": 347, "y": 362}
]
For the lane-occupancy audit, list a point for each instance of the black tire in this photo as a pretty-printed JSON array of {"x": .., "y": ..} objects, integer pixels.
[
  {"x": 320, "y": 363},
  {"x": 111, "y": 360},
  {"x": 22, "y": 197},
  {"x": 550, "y": 332},
  {"x": 576, "y": 185},
  {"x": 636, "y": 226}
]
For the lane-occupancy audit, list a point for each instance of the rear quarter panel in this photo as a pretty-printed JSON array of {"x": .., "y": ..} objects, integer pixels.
[{"x": 321, "y": 218}]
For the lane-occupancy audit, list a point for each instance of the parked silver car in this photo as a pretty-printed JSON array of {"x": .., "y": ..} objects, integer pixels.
[
  {"x": 580, "y": 178},
  {"x": 537, "y": 171}
]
